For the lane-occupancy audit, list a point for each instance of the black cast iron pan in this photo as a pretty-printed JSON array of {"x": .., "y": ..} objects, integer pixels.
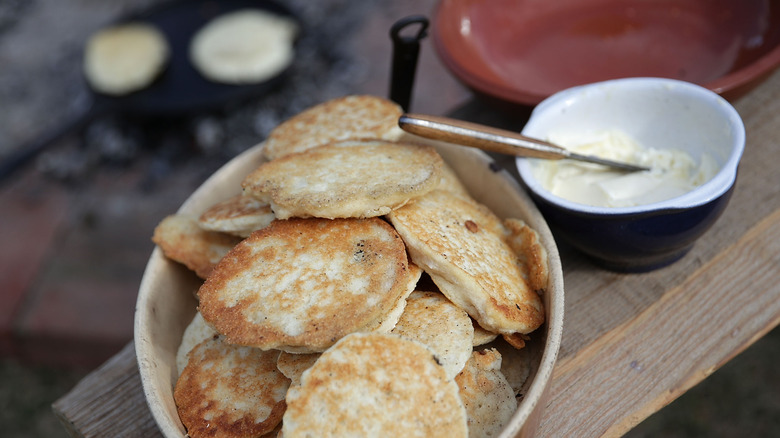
[{"x": 179, "y": 91}]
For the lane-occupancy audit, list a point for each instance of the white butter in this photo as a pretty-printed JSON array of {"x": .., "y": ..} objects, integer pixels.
[{"x": 674, "y": 172}]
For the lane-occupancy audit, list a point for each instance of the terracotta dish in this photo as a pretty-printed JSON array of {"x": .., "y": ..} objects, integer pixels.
[
  {"x": 522, "y": 51},
  {"x": 166, "y": 302}
]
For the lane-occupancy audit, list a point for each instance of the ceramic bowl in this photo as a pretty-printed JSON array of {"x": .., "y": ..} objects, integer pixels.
[
  {"x": 166, "y": 302},
  {"x": 522, "y": 51},
  {"x": 657, "y": 113}
]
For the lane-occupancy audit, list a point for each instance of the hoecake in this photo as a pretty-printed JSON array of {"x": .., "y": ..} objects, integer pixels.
[
  {"x": 375, "y": 385},
  {"x": 431, "y": 319},
  {"x": 196, "y": 332},
  {"x": 246, "y": 46},
  {"x": 238, "y": 215},
  {"x": 527, "y": 244},
  {"x": 343, "y": 118},
  {"x": 293, "y": 365},
  {"x": 516, "y": 364},
  {"x": 451, "y": 182},
  {"x": 482, "y": 336},
  {"x": 486, "y": 394},
  {"x": 390, "y": 319},
  {"x": 460, "y": 244},
  {"x": 182, "y": 240},
  {"x": 346, "y": 179},
  {"x": 125, "y": 58},
  {"x": 299, "y": 285},
  {"x": 230, "y": 391}
]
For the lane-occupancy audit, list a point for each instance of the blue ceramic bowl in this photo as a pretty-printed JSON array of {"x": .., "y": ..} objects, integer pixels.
[{"x": 657, "y": 113}]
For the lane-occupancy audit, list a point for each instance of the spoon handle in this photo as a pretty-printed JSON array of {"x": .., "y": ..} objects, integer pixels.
[
  {"x": 479, "y": 136},
  {"x": 497, "y": 140}
]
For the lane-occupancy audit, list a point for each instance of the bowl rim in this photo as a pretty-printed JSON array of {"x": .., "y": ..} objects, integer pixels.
[
  {"x": 147, "y": 313},
  {"x": 728, "y": 84},
  {"x": 719, "y": 184}
]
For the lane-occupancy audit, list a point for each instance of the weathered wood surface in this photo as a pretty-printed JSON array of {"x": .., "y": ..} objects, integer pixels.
[
  {"x": 108, "y": 402},
  {"x": 632, "y": 343}
]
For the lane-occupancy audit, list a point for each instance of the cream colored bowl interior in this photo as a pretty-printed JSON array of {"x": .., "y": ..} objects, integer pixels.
[{"x": 166, "y": 301}]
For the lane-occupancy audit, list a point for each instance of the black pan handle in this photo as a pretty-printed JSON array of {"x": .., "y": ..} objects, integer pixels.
[
  {"x": 406, "y": 50},
  {"x": 18, "y": 158}
]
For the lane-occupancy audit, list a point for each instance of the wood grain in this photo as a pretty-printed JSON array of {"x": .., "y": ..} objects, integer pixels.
[
  {"x": 642, "y": 365},
  {"x": 109, "y": 402}
]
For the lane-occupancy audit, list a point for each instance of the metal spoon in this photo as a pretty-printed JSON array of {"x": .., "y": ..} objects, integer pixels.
[{"x": 497, "y": 140}]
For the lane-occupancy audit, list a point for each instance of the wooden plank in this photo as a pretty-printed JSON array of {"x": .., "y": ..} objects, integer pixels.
[
  {"x": 108, "y": 402},
  {"x": 640, "y": 366}
]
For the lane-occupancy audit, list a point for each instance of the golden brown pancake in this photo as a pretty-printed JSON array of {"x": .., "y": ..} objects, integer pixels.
[
  {"x": 525, "y": 242},
  {"x": 343, "y": 118},
  {"x": 299, "y": 285},
  {"x": 293, "y": 365},
  {"x": 239, "y": 215},
  {"x": 516, "y": 340},
  {"x": 449, "y": 178},
  {"x": 346, "y": 179},
  {"x": 515, "y": 364},
  {"x": 451, "y": 183},
  {"x": 181, "y": 239},
  {"x": 431, "y": 319},
  {"x": 227, "y": 390},
  {"x": 196, "y": 332},
  {"x": 486, "y": 394},
  {"x": 375, "y": 385},
  {"x": 460, "y": 244},
  {"x": 390, "y": 319},
  {"x": 482, "y": 336}
]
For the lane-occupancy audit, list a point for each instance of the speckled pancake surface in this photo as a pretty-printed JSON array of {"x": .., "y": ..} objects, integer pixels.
[
  {"x": 293, "y": 365},
  {"x": 196, "y": 332},
  {"x": 230, "y": 391},
  {"x": 486, "y": 394},
  {"x": 344, "y": 118},
  {"x": 515, "y": 364},
  {"x": 299, "y": 285},
  {"x": 182, "y": 240},
  {"x": 451, "y": 183},
  {"x": 460, "y": 244},
  {"x": 525, "y": 242},
  {"x": 346, "y": 179},
  {"x": 375, "y": 385},
  {"x": 239, "y": 215},
  {"x": 482, "y": 336},
  {"x": 431, "y": 319},
  {"x": 390, "y": 319}
]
